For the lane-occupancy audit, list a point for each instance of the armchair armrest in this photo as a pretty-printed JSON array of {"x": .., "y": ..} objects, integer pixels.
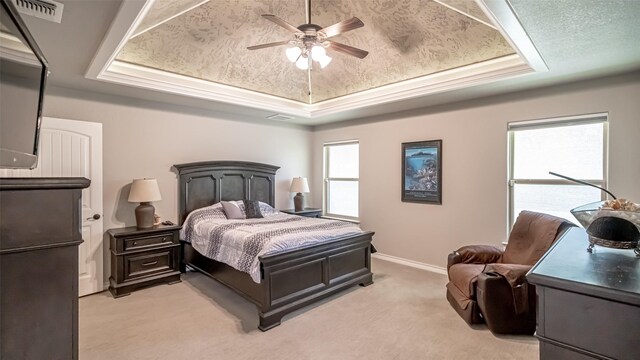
[
  {"x": 506, "y": 309},
  {"x": 500, "y": 284},
  {"x": 475, "y": 254},
  {"x": 513, "y": 273}
]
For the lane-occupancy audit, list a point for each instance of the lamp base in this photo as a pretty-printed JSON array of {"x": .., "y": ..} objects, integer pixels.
[
  {"x": 144, "y": 215},
  {"x": 298, "y": 202}
]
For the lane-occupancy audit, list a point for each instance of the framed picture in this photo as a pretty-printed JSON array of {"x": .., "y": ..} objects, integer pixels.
[{"x": 422, "y": 172}]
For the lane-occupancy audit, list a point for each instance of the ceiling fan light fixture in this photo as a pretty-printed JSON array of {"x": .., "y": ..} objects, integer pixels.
[
  {"x": 293, "y": 53},
  {"x": 302, "y": 63},
  {"x": 311, "y": 40},
  {"x": 318, "y": 52},
  {"x": 324, "y": 61}
]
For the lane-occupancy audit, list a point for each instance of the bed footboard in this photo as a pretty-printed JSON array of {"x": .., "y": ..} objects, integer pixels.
[{"x": 294, "y": 279}]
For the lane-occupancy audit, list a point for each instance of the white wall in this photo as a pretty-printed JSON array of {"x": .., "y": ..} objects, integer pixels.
[
  {"x": 145, "y": 139},
  {"x": 474, "y": 134}
]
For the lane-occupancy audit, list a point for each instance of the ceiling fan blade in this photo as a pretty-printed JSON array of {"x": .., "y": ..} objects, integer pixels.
[
  {"x": 349, "y": 50},
  {"x": 281, "y": 22},
  {"x": 341, "y": 27},
  {"x": 262, "y": 46}
]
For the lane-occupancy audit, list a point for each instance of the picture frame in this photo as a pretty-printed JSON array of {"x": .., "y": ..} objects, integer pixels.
[{"x": 422, "y": 172}]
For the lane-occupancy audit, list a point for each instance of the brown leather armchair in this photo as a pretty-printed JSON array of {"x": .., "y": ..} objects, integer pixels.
[{"x": 487, "y": 284}]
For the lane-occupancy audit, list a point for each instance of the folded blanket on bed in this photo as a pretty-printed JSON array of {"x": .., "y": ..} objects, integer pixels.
[{"x": 239, "y": 243}]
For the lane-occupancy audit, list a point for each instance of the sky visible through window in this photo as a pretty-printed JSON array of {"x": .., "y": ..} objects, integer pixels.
[
  {"x": 343, "y": 163},
  {"x": 573, "y": 150}
]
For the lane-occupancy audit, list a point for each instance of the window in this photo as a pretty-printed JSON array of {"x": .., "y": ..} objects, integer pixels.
[
  {"x": 575, "y": 147},
  {"x": 341, "y": 173}
]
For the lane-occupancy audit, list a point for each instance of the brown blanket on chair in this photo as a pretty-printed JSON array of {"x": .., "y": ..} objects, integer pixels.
[
  {"x": 532, "y": 235},
  {"x": 513, "y": 273}
]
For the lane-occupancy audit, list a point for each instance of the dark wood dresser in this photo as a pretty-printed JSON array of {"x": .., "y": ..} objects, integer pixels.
[
  {"x": 588, "y": 304},
  {"x": 39, "y": 237}
]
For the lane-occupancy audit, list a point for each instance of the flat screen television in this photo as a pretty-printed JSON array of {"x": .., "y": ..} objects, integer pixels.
[{"x": 23, "y": 75}]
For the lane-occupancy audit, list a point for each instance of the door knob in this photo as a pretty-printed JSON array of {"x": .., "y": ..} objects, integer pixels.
[{"x": 94, "y": 217}]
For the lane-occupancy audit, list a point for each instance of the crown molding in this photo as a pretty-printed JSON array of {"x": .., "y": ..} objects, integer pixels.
[
  {"x": 144, "y": 77},
  {"x": 502, "y": 14},
  {"x": 462, "y": 77},
  {"x": 139, "y": 31},
  {"x": 104, "y": 67},
  {"x": 122, "y": 27}
]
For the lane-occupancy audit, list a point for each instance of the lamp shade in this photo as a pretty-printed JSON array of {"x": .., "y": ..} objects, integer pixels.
[
  {"x": 144, "y": 190},
  {"x": 299, "y": 185}
]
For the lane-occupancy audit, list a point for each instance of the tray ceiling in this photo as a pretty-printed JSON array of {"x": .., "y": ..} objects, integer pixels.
[
  {"x": 406, "y": 39},
  {"x": 198, "y": 48}
]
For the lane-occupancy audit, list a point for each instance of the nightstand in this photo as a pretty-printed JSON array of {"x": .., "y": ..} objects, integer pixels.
[
  {"x": 143, "y": 257},
  {"x": 308, "y": 212}
]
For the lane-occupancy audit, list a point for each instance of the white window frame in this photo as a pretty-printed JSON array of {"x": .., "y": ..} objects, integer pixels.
[
  {"x": 549, "y": 123},
  {"x": 326, "y": 179}
]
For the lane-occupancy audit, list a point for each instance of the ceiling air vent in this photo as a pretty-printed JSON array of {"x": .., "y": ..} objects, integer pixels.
[
  {"x": 280, "y": 117},
  {"x": 47, "y": 10}
]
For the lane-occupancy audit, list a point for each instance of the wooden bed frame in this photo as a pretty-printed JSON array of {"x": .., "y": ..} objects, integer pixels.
[{"x": 289, "y": 280}]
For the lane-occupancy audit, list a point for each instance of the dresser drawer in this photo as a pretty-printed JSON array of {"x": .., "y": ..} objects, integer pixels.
[
  {"x": 600, "y": 326},
  {"x": 138, "y": 243},
  {"x": 148, "y": 263}
]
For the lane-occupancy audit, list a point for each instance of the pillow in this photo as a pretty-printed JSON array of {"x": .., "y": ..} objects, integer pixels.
[
  {"x": 252, "y": 209},
  {"x": 267, "y": 210},
  {"x": 232, "y": 210}
]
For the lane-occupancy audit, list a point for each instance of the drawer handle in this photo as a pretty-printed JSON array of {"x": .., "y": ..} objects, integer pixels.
[
  {"x": 135, "y": 243},
  {"x": 150, "y": 263},
  {"x": 164, "y": 239}
]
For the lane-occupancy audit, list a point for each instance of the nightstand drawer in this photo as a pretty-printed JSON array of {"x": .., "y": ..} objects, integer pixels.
[
  {"x": 143, "y": 257},
  {"x": 148, "y": 263},
  {"x": 137, "y": 243}
]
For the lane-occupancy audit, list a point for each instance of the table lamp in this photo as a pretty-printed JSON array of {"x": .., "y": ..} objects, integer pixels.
[
  {"x": 144, "y": 191},
  {"x": 299, "y": 185}
]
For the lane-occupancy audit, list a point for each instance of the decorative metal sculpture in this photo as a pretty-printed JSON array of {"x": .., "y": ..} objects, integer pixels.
[{"x": 610, "y": 223}]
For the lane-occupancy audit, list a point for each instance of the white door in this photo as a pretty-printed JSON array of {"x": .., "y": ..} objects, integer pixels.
[{"x": 70, "y": 148}]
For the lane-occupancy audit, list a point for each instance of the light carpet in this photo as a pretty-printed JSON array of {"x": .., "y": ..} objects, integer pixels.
[{"x": 403, "y": 315}]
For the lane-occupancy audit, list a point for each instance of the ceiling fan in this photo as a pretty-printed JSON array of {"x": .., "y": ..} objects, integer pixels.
[{"x": 310, "y": 40}]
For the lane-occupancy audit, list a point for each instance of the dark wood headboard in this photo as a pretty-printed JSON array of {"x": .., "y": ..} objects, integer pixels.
[{"x": 205, "y": 183}]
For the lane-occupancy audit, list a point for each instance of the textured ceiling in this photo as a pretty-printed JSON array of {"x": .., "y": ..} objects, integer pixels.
[
  {"x": 405, "y": 39},
  {"x": 602, "y": 31},
  {"x": 164, "y": 10},
  {"x": 468, "y": 8}
]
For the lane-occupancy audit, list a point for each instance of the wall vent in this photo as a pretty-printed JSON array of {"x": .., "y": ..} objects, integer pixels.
[
  {"x": 280, "y": 117},
  {"x": 47, "y": 10}
]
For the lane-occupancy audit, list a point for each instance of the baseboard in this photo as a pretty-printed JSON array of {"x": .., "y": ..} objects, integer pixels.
[{"x": 410, "y": 263}]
